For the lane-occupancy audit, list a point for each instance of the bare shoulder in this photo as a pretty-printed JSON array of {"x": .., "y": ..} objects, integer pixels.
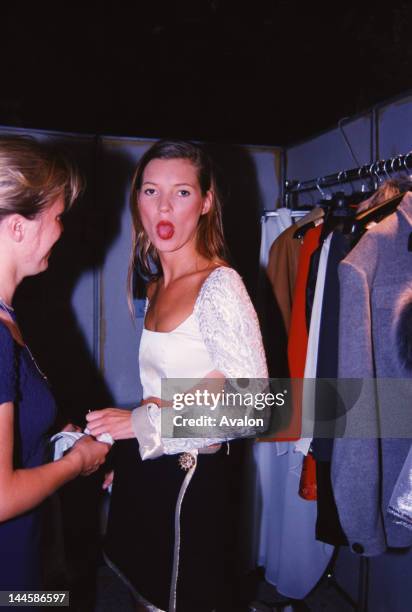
[{"x": 198, "y": 279}]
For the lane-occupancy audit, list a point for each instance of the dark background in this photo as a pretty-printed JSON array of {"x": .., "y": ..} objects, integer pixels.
[{"x": 259, "y": 72}]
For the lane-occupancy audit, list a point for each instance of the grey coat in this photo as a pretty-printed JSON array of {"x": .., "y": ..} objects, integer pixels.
[{"x": 375, "y": 344}]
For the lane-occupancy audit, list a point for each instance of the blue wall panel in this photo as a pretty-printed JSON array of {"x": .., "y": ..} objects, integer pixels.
[
  {"x": 119, "y": 333},
  {"x": 328, "y": 153},
  {"x": 267, "y": 163},
  {"x": 395, "y": 128}
]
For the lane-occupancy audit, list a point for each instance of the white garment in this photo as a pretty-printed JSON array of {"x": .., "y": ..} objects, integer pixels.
[
  {"x": 284, "y": 523},
  {"x": 300, "y": 567},
  {"x": 308, "y": 402},
  {"x": 293, "y": 559},
  {"x": 222, "y": 333},
  {"x": 271, "y": 228}
]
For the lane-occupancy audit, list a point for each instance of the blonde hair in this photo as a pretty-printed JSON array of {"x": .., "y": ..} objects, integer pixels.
[
  {"x": 144, "y": 258},
  {"x": 32, "y": 176}
]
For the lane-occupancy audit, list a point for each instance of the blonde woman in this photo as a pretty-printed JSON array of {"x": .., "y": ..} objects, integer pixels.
[{"x": 35, "y": 189}]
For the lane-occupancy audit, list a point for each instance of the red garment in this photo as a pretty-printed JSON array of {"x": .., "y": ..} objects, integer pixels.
[
  {"x": 298, "y": 339},
  {"x": 298, "y": 336},
  {"x": 308, "y": 487},
  {"x": 298, "y": 332}
]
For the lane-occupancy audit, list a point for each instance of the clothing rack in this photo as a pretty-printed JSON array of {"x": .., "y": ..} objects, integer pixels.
[
  {"x": 377, "y": 171},
  {"x": 396, "y": 164},
  {"x": 294, "y": 213}
]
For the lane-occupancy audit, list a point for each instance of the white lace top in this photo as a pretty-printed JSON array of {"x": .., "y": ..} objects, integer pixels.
[{"x": 222, "y": 333}]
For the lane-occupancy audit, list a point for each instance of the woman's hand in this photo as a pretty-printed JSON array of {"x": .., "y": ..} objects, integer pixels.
[
  {"x": 89, "y": 453},
  {"x": 115, "y": 421}
]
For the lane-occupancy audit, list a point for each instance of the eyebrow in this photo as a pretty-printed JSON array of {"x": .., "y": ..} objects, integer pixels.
[{"x": 175, "y": 184}]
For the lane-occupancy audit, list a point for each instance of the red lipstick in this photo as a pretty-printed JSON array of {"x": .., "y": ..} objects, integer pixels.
[{"x": 165, "y": 230}]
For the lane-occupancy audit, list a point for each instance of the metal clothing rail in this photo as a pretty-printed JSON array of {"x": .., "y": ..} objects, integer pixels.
[
  {"x": 293, "y": 214},
  {"x": 376, "y": 171}
]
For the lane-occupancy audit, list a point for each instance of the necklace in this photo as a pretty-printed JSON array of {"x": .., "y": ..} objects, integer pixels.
[
  {"x": 35, "y": 364},
  {"x": 6, "y": 306},
  {"x": 10, "y": 311}
]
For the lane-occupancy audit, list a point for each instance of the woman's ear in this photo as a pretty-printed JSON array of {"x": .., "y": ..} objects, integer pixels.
[
  {"x": 16, "y": 225},
  {"x": 207, "y": 202}
]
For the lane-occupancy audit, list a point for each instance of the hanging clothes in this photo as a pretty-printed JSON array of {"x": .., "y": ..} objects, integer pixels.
[
  {"x": 271, "y": 228},
  {"x": 328, "y": 527},
  {"x": 375, "y": 305},
  {"x": 263, "y": 469},
  {"x": 294, "y": 561},
  {"x": 282, "y": 267},
  {"x": 327, "y": 362},
  {"x": 298, "y": 333},
  {"x": 321, "y": 293},
  {"x": 327, "y": 404},
  {"x": 270, "y": 309},
  {"x": 308, "y": 404}
]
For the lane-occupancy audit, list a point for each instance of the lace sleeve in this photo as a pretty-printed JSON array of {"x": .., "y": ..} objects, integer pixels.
[{"x": 229, "y": 326}]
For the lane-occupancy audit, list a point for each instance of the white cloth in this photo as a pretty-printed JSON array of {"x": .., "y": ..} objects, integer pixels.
[
  {"x": 293, "y": 559},
  {"x": 222, "y": 333},
  {"x": 271, "y": 228},
  {"x": 64, "y": 440},
  {"x": 308, "y": 403}
]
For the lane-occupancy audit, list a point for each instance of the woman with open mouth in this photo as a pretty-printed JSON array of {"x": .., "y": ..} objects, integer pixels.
[{"x": 174, "y": 503}]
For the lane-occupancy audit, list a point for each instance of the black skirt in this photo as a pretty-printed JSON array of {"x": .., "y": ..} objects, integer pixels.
[{"x": 140, "y": 534}]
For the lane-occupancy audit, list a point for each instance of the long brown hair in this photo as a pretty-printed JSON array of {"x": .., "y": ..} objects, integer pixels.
[{"x": 144, "y": 259}]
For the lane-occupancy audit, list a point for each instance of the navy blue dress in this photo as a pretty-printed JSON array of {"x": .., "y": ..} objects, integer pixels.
[{"x": 34, "y": 413}]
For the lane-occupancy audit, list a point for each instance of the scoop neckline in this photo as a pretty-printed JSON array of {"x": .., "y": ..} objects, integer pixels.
[
  {"x": 165, "y": 333},
  {"x": 151, "y": 331}
]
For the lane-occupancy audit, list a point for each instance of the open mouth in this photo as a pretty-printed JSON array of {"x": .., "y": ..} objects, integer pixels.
[{"x": 165, "y": 230}]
